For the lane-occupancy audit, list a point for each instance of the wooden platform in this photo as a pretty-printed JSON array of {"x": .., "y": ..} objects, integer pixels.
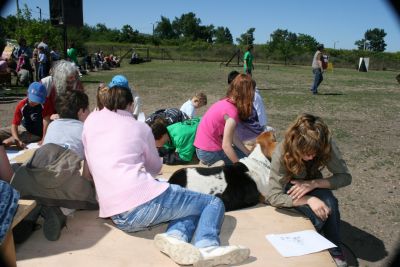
[
  {"x": 24, "y": 207},
  {"x": 91, "y": 241}
]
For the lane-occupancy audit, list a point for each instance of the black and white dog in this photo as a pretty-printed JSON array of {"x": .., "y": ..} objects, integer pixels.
[{"x": 240, "y": 185}]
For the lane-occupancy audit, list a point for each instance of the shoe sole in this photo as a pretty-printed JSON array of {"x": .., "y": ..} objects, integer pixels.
[
  {"x": 233, "y": 257},
  {"x": 52, "y": 225},
  {"x": 184, "y": 253}
]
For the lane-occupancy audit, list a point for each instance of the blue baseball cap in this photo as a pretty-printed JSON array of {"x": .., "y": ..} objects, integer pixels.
[
  {"x": 37, "y": 92},
  {"x": 119, "y": 81}
]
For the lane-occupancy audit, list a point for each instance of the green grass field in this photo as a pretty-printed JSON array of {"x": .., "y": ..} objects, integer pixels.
[{"x": 345, "y": 94}]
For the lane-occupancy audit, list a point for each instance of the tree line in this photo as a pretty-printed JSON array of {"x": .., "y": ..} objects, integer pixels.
[{"x": 185, "y": 29}]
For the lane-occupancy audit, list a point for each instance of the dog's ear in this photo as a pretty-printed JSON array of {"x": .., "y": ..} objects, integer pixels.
[
  {"x": 267, "y": 142},
  {"x": 271, "y": 150}
]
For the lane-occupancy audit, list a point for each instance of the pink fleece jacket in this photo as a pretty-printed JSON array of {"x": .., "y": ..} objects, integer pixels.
[{"x": 123, "y": 159}]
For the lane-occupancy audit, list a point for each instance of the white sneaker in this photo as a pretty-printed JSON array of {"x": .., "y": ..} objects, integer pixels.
[
  {"x": 179, "y": 251},
  {"x": 217, "y": 255}
]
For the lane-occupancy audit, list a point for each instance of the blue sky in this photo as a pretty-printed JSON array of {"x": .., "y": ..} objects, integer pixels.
[{"x": 338, "y": 22}]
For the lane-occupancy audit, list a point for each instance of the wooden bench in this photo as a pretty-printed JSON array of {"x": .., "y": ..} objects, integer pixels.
[
  {"x": 7, "y": 249},
  {"x": 93, "y": 241},
  {"x": 24, "y": 207}
]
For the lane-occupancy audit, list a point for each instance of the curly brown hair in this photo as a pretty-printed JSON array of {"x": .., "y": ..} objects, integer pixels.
[
  {"x": 241, "y": 93},
  {"x": 308, "y": 135}
]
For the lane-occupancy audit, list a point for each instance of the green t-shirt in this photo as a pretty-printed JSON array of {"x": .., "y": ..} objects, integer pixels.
[
  {"x": 182, "y": 136},
  {"x": 73, "y": 55},
  {"x": 248, "y": 61}
]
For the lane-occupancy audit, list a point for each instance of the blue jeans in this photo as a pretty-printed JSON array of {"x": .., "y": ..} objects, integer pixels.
[
  {"x": 318, "y": 78},
  {"x": 331, "y": 227},
  {"x": 210, "y": 157},
  {"x": 42, "y": 70},
  {"x": 184, "y": 209}
]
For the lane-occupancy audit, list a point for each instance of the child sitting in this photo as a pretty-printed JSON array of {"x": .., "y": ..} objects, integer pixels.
[
  {"x": 59, "y": 160},
  {"x": 27, "y": 124},
  {"x": 189, "y": 107},
  {"x": 122, "y": 81},
  {"x": 102, "y": 90},
  {"x": 175, "y": 142},
  {"x": 73, "y": 109},
  {"x": 170, "y": 115},
  {"x": 247, "y": 130}
]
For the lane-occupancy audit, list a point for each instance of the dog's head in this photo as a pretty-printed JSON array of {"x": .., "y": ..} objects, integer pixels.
[{"x": 267, "y": 143}]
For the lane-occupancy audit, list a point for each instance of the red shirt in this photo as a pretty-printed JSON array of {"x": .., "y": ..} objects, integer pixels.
[{"x": 30, "y": 117}]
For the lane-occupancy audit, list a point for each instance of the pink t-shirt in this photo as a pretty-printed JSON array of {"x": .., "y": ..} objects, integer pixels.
[
  {"x": 211, "y": 128},
  {"x": 123, "y": 159}
]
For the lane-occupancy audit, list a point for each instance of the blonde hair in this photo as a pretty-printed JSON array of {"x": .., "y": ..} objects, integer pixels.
[
  {"x": 241, "y": 93},
  {"x": 101, "y": 95},
  {"x": 306, "y": 136}
]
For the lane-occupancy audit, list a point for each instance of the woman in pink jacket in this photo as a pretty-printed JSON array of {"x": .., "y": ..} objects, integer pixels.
[{"x": 123, "y": 159}]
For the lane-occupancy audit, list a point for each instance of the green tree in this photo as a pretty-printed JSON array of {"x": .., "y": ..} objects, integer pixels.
[
  {"x": 128, "y": 34},
  {"x": 283, "y": 43},
  {"x": 306, "y": 43},
  {"x": 223, "y": 36},
  {"x": 373, "y": 40},
  {"x": 206, "y": 33},
  {"x": 31, "y": 29},
  {"x": 247, "y": 37},
  {"x": 164, "y": 30},
  {"x": 187, "y": 26}
]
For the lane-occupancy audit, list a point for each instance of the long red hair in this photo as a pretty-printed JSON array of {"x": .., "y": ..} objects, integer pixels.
[{"x": 241, "y": 93}]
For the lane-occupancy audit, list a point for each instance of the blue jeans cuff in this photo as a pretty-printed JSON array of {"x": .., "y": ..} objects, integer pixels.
[
  {"x": 206, "y": 243},
  {"x": 178, "y": 234}
]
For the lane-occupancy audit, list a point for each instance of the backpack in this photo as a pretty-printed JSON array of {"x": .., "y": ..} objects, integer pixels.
[{"x": 171, "y": 115}]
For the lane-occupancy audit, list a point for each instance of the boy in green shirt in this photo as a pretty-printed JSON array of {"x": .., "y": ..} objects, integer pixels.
[
  {"x": 248, "y": 60},
  {"x": 175, "y": 141}
]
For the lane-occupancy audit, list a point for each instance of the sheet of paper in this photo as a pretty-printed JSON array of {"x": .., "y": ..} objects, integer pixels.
[
  {"x": 299, "y": 243},
  {"x": 11, "y": 154}
]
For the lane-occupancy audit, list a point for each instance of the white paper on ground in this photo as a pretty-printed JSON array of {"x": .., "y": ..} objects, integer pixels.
[
  {"x": 11, "y": 154},
  {"x": 299, "y": 243}
]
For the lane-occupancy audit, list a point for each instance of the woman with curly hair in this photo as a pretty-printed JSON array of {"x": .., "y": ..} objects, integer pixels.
[
  {"x": 296, "y": 179},
  {"x": 216, "y": 137}
]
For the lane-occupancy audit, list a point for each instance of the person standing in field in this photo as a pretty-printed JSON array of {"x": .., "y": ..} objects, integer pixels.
[
  {"x": 248, "y": 60},
  {"x": 317, "y": 69}
]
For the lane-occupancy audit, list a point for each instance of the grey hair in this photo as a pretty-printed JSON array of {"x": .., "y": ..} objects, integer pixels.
[{"x": 61, "y": 71}]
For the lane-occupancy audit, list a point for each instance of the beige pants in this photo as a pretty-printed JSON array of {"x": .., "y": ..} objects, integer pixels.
[{"x": 24, "y": 135}]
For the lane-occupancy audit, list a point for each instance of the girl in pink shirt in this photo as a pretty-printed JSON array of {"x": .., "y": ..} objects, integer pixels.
[
  {"x": 123, "y": 159},
  {"x": 216, "y": 135}
]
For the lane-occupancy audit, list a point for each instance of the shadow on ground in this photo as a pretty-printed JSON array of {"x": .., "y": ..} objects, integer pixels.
[
  {"x": 358, "y": 244},
  {"x": 267, "y": 89},
  {"x": 330, "y": 93},
  {"x": 11, "y": 99},
  {"x": 91, "y": 81}
]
